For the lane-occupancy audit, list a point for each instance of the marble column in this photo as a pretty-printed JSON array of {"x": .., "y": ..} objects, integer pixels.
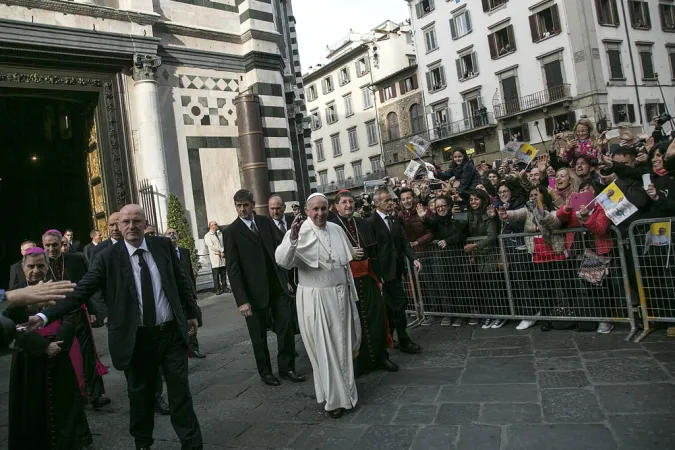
[
  {"x": 253, "y": 162},
  {"x": 150, "y": 138}
]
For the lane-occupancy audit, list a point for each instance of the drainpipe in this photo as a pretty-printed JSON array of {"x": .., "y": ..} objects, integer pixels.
[
  {"x": 632, "y": 62},
  {"x": 377, "y": 115}
]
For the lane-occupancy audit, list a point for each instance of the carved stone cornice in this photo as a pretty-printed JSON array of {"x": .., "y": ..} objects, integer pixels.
[
  {"x": 145, "y": 67},
  {"x": 215, "y": 35},
  {"x": 87, "y": 9},
  {"x": 37, "y": 78}
]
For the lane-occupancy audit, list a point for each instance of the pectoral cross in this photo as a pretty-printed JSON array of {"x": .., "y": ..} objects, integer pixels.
[{"x": 330, "y": 259}]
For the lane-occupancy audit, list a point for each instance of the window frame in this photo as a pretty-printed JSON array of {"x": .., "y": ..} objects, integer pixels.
[
  {"x": 333, "y": 116},
  {"x": 493, "y": 44},
  {"x": 340, "y": 173},
  {"x": 349, "y": 105},
  {"x": 353, "y": 132},
  {"x": 614, "y": 47},
  {"x": 367, "y": 93},
  {"x": 646, "y": 49},
  {"x": 430, "y": 31},
  {"x": 344, "y": 77},
  {"x": 614, "y": 12},
  {"x": 323, "y": 176},
  {"x": 320, "y": 155},
  {"x": 416, "y": 119},
  {"x": 316, "y": 124},
  {"x": 454, "y": 30},
  {"x": 461, "y": 66},
  {"x": 393, "y": 124},
  {"x": 443, "y": 82},
  {"x": 337, "y": 149},
  {"x": 535, "y": 23},
  {"x": 327, "y": 84},
  {"x": 371, "y": 125},
  {"x": 644, "y": 7},
  {"x": 375, "y": 167},
  {"x": 358, "y": 164}
]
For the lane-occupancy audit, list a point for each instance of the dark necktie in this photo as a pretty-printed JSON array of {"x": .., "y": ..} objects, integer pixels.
[
  {"x": 254, "y": 228},
  {"x": 390, "y": 222},
  {"x": 282, "y": 226},
  {"x": 147, "y": 294}
]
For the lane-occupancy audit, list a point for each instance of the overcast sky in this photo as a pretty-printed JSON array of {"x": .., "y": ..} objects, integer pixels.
[{"x": 324, "y": 22}]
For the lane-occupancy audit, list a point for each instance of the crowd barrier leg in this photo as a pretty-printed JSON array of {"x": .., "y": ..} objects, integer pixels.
[
  {"x": 507, "y": 278},
  {"x": 626, "y": 286},
  {"x": 413, "y": 286}
]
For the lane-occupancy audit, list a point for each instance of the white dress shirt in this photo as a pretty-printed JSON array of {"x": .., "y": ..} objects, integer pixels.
[
  {"x": 279, "y": 223},
  {"x": 163, "y": 311},
  {"x": 384, "y": 217}
]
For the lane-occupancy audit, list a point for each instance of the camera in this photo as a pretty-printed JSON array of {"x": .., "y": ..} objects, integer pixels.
[{"x": 663, "y": 118}]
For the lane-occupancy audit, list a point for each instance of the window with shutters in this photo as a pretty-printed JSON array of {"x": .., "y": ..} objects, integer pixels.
[
  {"x": 312, "y": 94},
  {"x": 388, "y": 93},
  {"x": 335, "y": 143},
  {"x": 424, "y": 7},
  {"x": 516, "y": 134},
  {"x": 667, "y": 13},
  {"x": 340, "y": 173},
  {"x": 376, "y": 164},
  {"x": 362, "y": 67},
  {"x": 460, "y": 25},
  {"x": 554, "y": 77},
  {"x": 560, "y": 123},
  {"x": 489, "y": 5},
  {"x": 367, "y": 98},
  {"x": 502, "y": 42},
  {"x": 323, "y": 178},
  {"x": 353, "y": 139},
  {"x": 318, "y": 146},
  {"x": 408, "y": 84},
  {"x": 349, "y": 109},
  {"x": 430, "y": 43},
  {"x": 327, "y": 84},
  {"x": 331, "y": 113},
  {"x": 646, "y": 61},
  {"x": 343, "y": 76},
  {"x": 440, "y": 115},
  {"x": 394, "y": 157},
  {"x": 316, "y": 120},
  {"x": 545, "y": 23},
  {"x": 671, "y": 60},
  {"x": 639, "y": 15},
  {"x": 416, "y": 118},
  {"x": 479, "y": 145},
  {"x": 356, "y": 168},
  {"x": 467, "y": 66},
  {"x": 614, "y": 61},
  {"x": 607, "y": 13},
  {"x": 392, "y": 126},
  {"x": 623, "y": 113},
  {"x": 436, "y": 79},
  {"x": 654, "y": 110},
  {"x": 510, "y": 95},
  {"x": 371, "y": 131}
]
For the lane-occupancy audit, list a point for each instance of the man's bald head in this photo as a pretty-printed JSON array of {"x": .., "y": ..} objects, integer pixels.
[
  {"x": 113, "y": 226},
  {"x": 132, "y": 224},
  {"x": 277, "y": 207}
]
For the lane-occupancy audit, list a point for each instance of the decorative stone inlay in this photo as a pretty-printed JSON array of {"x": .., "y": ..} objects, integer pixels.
[{"x": 145, "y": 67}]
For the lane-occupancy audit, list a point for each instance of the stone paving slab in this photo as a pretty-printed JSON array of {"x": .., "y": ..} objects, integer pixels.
[{"x": 469, "y": 389}]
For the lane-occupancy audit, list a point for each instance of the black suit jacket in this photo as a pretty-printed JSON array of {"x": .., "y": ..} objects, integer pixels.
[
  {"x": 245, "y": 254},
  {"x": 392, "y": 247},
  {"x": 16, "y": 277},
  {"x": 100, "y": 247},
  {"x": 74, "y": 247},
  {"x": 88, "y": 251},
  {"x": 111, "y": 271},
  {"x": 186, "y": 265}
]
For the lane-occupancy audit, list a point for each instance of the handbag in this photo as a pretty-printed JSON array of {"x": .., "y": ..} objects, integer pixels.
[{"x": 594, "y": 268}]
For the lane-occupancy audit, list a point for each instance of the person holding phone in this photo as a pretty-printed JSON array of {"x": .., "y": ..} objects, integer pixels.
[{"x": 466, "y": 177}]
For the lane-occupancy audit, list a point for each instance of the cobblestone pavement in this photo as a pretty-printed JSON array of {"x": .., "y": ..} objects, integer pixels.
[{"x": 469, "y": 389}]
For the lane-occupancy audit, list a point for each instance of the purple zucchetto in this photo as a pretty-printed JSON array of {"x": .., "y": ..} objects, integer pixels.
[
  {"x": 57, "y": 232},
  {"x": 35, "y": 251}
]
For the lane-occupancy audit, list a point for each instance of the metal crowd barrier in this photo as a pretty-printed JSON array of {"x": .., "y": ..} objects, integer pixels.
[
  {"x": 504, "y": 281},
  {"x": 654, "y": 265}
]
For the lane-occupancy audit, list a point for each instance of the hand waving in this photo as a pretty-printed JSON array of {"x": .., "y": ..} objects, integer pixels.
[{"x": 295, "y": 227}]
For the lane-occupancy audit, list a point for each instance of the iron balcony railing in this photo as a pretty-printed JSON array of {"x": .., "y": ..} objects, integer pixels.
[
  {"x": 350, "y": 183},
  {"x": 539, "y": 99},
  {"x": 477, "y": 121}
]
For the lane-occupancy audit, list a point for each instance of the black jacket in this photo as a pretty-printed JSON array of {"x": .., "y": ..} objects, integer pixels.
[
  {"x": 445, "y": 228},
  {"x": 245, "y": 254},
  {"x": 466, "y": 174},
  {"x": 88, "y": 251},
  {"x": 16, "y": 277},
  {"x": 366, "y": 237},
  {"x": 100, "y": 247},
  {"x": 392, "y": 248},
  {"x": 665, "y": 187},
  {"x": 111, "y": 271}
]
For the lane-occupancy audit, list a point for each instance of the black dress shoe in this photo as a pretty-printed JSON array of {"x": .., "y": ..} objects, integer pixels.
[
  {"x": 100, "y": 401},
  {"x": 336, "y": 413},
  {"x": 197, "y": 354},
  {"x": 293, "y": 376},
  {"x": 270, "y": 380},
  {"x": 410, "y": 347},
  {"x": 161, "y": 407},
  {"x": 388, "y": 365}
]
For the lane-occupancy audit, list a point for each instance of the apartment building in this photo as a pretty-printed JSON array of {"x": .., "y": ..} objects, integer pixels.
[
  {"x": 500, "y": 70},
  {"x": 342, "y": 105}
]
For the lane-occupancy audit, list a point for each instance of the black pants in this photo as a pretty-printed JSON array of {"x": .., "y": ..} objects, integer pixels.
[
  {"x": 281, "y": 307},
  {"x": 163, "y": 348},
  {"x": 219, "y": 278},
  {"x": 395, "y": 299}
]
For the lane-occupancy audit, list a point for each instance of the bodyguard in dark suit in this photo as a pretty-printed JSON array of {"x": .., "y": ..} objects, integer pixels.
[
  {"x": 392, "y": 248},
  {"x": 151, "y": 313},
  {"x": 258, "y": 284},
  {"x": 74, "y": 245},
  {"x": 88, "y": 249}
]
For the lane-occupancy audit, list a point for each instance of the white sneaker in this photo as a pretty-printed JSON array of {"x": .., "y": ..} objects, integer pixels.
[
  {"x": 498, "y": 323},
  {"x": 487, "y": 323},
  {"x": 525, "y": 324},
  {"x": 428, "y": 321},
  {"x": 605, "y": 327},
  {"x": 457, "y": 322},
  {"x": 473, "y": 321},
  {"x": 446, "y": 321}
]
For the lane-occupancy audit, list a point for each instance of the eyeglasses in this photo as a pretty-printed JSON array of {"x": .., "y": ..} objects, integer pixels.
[
  {"x": 441, "y": 206},
  {"x": 504, "y": 192}
]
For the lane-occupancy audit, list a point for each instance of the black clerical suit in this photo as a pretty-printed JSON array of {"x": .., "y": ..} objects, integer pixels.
[
  {"x": 186, "y": 264},
  {"x": 256, "y": 279},
  {"x": 16, "y": 277},
  {"x": 392, "y": 248},
  {"x": 135, "y": 348}
]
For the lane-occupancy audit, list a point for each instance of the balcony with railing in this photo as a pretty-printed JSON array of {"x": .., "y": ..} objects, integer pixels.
[
  {"x": 541, "y": 99},
  {"x": 475, "y": 123},
  {"x": 351, "y": 183}
]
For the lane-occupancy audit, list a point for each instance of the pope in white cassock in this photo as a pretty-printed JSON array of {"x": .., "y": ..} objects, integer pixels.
[{"x": 326, "y": 302}]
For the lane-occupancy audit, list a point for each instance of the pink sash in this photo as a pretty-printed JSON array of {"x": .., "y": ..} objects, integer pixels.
[
  {"x": 75, "y": 355},
  {"x": 101, "y": 368}
]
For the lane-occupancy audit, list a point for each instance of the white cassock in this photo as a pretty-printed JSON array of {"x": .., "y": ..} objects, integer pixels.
[{"x": 326, "y": 303}]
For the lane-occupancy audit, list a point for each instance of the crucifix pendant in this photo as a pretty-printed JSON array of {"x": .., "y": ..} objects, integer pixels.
[{"x": 330, "y": 259}]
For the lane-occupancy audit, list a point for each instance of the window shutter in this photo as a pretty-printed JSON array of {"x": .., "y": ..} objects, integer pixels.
[
  {"x": 615, "y": 13},
  {"x": 616, "y": 71},
  {"x": 467, "y": 15},
  {"x": 662, "y": 108},
  {"x": 381, "y": 95},
  {"x": 662, "y": 11},
  {"x": 486, "y": 6},
  {"x": 526, "y": 132},
  {"x": 615, "y": 113},
  {"x": 465, "y": 110},
  {"x": 393, "y": 90},
  {"x": 506, "y": 135},
  {"x": 460, "y": 75},
  {"x": 556, "y": 18},
  {"x": 414, "y": 81},
  {"x": 572, "y": 118},
  {"x": 631, "y": 11},
  {"x": 431, "y": 5},
  {"x": 442, "y": 72},
  {"x": 453, "y": 29},
  {"x": 480, "y": 102},
  {"x": 474, "y": 62},
  {"x": 401, "y": 86},
  {"x": 512, "y": 37},
  {"x": 648, "y": 16},
  {"x": 548, "y": 124},
  {"x": 429, "y": 85},
  {"x": 631, "y": 113},
  {"x": 598, "y": 9},
  {"x": 534, "y": 29},
  {"x": 323, "y": 86},
  {"x": 418, "y": 9},
  {"x": 492, "y": 41}
]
